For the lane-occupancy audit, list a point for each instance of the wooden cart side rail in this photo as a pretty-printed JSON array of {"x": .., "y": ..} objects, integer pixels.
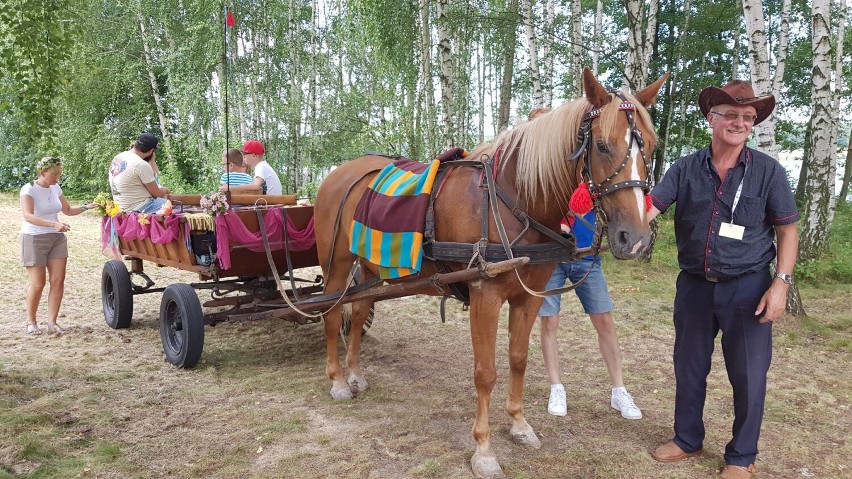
[{"x": 237, "y": 199}]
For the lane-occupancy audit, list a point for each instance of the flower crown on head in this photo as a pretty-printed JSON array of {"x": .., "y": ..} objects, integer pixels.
[{"x": 47, "y": 163}]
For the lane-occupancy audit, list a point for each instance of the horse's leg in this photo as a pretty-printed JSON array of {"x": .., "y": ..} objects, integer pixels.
[
  {"x": 522, "y": 313},
  {"x": 484, "y": 316},
  {"x": 335, "y": 281},
  {"x": 357, "y": 381}
]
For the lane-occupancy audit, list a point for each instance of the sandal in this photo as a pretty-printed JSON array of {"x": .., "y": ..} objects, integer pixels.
[
  {"x": 33, "y": 328},
  {"x": 53, "y": 328}
]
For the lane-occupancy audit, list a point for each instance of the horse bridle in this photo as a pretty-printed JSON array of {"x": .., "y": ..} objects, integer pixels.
[{"x": 584, "y": 146}]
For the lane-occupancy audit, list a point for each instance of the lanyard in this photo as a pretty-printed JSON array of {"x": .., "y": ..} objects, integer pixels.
[{"x": 740, "y": 187}]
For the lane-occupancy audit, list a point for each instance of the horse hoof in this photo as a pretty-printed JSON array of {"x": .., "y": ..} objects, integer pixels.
[
  {"x": 525, "y": 437},
  {"x": 341, "y": 394},
  {"x": 485, "y": 467},
  {"x": 357, "y": 384}
]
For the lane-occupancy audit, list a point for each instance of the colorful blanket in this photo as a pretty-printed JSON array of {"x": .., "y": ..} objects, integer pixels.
[{"x": 387, "y": 229}]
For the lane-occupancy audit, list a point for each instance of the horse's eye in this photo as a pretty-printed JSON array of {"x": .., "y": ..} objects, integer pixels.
[{"x": 602, "y": 146}]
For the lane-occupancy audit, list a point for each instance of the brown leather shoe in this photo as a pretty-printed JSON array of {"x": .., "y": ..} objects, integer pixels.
[
  {"x": 671, "y": 452},
  {"x": 731, "y": 471}
]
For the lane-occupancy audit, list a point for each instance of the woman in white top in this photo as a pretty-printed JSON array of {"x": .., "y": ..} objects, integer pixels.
[{"x": 44, "y": 249}]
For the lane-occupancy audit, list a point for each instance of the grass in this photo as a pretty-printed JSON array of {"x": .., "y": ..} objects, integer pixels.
[{"x": 102, "y": 403}]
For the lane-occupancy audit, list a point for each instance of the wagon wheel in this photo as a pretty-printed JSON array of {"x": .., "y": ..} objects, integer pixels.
[
  {"x": 346, "y": 325},
  {"x": 181, "y": 325},
  {"x": 116, "y": 295}
]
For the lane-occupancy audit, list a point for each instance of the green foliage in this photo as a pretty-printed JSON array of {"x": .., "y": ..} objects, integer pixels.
[{"x": 35, "y": 45}]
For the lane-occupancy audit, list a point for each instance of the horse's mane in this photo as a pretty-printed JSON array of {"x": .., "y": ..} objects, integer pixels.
[{"x": 542, "y": 147}]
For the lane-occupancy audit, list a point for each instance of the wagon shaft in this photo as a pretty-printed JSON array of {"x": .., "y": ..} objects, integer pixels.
[{"x": 387, "y": 291}]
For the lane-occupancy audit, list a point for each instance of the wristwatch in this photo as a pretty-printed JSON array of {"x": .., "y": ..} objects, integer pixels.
[{"x": 785, "y": 278}]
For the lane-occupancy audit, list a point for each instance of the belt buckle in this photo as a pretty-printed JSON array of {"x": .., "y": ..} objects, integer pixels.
[{"x": 712, "y": 279}]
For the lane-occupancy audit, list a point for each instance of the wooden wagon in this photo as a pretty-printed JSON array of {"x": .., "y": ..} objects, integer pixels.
[{"x": 245, "y": 287}]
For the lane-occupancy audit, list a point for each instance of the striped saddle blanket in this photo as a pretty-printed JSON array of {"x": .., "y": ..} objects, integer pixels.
[{"x": 387, "y": 229}]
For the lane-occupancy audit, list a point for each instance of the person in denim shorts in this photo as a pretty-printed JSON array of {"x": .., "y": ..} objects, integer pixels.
[{"x": 594, "y": 296}]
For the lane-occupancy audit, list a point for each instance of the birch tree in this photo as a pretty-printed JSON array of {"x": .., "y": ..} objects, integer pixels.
[
  {"x": 641, "y": 35},
  {"x": 763, "y": 81},
  {"x": 532, "y": 48},
  {"x": 446, "y": 59},
  {"x": 511, "y": 27},
  {"x": 819, "y": 189},
  {"x": 547, "y": 53},
  {"x": 152, "y": 78},
  {"x": 427, "y": 99},
  {"x": 576, "y": 67}
]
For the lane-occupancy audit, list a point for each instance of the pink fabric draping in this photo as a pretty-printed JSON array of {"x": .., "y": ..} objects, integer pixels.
[
  {"x": 127, "y": 227},
  {"x": 230, "y": 228},
  {"x": 167, "y": 231}
]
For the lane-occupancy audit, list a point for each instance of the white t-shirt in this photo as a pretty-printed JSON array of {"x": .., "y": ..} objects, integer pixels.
[
  {"x": 265, "y": 171},
  {"x": 46, "y": 205},
  {"x": 128, "y": 175}
]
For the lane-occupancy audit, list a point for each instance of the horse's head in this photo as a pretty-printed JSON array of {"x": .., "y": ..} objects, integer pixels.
[{"x": 614, "y": 146}]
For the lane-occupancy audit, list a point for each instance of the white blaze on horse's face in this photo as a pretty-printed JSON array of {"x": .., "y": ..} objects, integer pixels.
[{"x": 635, "y": 156}]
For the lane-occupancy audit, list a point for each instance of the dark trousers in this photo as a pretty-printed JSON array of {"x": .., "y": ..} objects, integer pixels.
[{"x": 701, "y": 310}]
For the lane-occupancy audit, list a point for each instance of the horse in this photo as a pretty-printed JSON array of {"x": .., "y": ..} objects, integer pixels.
[{"x": 602, "y": 139}]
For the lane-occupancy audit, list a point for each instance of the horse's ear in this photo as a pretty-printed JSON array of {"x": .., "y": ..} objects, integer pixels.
[
  {"x": 649, "y": 94},
  {"x": 595, "y": 92}
]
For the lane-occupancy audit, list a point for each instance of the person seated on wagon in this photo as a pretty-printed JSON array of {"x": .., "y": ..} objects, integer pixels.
[
  {"x": 132, "y": 178},
  {"x": 264, "y": 175},
  {"x": 236, "y": 171}
]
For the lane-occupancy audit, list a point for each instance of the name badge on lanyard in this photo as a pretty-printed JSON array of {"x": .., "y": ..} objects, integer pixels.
[{"x": 732, "y": 230}]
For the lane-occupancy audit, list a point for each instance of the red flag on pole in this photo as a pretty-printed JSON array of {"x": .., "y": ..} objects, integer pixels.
[{"x": 229, "y": 20}]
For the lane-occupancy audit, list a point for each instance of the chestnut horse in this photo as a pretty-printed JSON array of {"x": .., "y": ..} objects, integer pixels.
[{"x": 602, "y": 139}]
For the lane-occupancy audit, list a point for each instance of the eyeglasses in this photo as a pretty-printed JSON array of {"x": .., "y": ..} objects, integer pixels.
[{"x": 731, "y": 116}]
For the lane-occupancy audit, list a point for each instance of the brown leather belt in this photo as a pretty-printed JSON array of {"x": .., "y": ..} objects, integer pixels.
[{"x": 716, "y": 279}]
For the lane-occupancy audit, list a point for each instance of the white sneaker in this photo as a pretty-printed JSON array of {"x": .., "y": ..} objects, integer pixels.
[
  {"x": 558, "y": 403},
  {"x": 623, "y": 401}
]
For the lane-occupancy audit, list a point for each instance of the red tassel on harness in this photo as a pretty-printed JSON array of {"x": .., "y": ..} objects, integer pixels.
[
  {"x": 581, "y": 200},
  {"x": 648, "y": 203}
]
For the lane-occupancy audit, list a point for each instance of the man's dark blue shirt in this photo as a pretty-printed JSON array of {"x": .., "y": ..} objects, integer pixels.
[{"x": 704, "y": 202}]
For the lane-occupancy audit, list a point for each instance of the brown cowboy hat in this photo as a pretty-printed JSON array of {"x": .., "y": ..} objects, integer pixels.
[{"x": 737, "y": 92}]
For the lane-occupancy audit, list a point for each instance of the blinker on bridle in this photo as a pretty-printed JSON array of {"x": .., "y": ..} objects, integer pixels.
[{"x": 584, "y": 145}]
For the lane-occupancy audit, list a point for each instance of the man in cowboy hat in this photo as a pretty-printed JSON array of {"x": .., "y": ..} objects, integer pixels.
[{"x": 733, "y": 201}]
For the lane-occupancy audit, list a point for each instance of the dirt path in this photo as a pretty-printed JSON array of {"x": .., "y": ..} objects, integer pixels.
[{"x": 103, "y": 403}]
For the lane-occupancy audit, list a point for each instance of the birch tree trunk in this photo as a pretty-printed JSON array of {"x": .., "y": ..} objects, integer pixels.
[
  {"x": 819, "y": 189},
  {"x": 641, "y": 35},
  {"x": 596, "y": 37},
  {"x": 847, "y": 174},
  {"x": 446, "y": 59},
  {"x": 547, "y": 53},
  {"x": 508, "y": 65},
  {"x": 838, "y": 72},
  {"x": 761, "y": 77},
  {"x": 427, "y": 101},
  {"x": 532, "y": 47},
  {"x": 576, "y": 67},
  {"x": 155, "y": 89}
]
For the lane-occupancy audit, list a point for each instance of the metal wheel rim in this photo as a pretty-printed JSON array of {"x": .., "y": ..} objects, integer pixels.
[
  {"x": 109, "y": 297},
  {"x": 174, "y": 327}
]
